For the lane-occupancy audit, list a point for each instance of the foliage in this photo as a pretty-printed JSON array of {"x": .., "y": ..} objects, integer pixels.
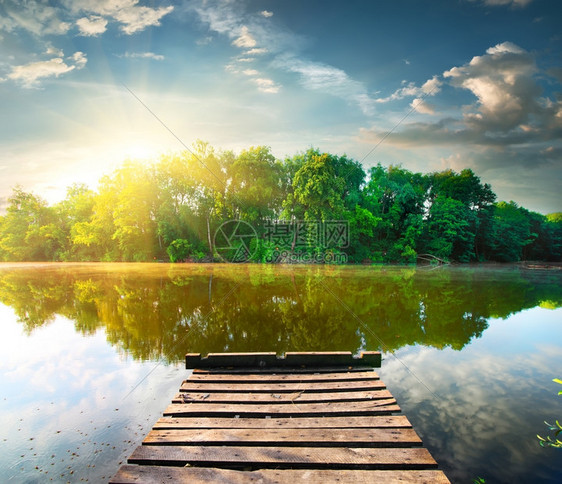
[
  {"x": 171, "y": 208},
  {"x": 553, "y": 441}
]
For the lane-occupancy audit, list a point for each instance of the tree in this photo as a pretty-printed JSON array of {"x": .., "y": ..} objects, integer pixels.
[
  {"x": 477, "y": 200},
  {"x": 448, "y": 230},
  {"x": 30, "y": 230},
  {"x": 256, "y": 185},
  {"x": 77, "y": 208},
  {"x": 397, "y": 197},
  {"x": 510, "y": 232}
]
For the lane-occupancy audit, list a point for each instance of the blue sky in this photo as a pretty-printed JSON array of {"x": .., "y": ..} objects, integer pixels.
[{"x": 458, "y": 83}]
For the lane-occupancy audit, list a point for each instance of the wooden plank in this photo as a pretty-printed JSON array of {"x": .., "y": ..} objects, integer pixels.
[
  {"x": 384, "y": 421},
  {"x": 284, "y": 378},
  {"x": 287, "y": 437},
  {"x": 132, "y": 474},
  {"x": 258, "y": 398},
  {"x": 200, "y": 386},
  {"x": 372, "y": 358},
  {"x": 280, "y": 370},
  {"x": 288, "y": 457},
  {"x": 298, "y": 409},
  {"x": 270, "y": 359},
  {"x": 258, "y": 360}
]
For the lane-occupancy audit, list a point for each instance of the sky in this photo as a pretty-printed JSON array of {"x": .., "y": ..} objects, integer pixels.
[{"x": 427, "y": 85}]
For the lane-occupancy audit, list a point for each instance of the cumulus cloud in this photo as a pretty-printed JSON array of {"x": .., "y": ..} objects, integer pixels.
[
  {"x": 266, "y": 13},
  {"x": 41, "y": 18},
  {"x": 510, "y": 128},
  {"x": 503, "y": 82},
  {"x": 36, "y": 17},
  {"x": 92, "y": 26},
  {"x": 29, "y": 75},
  {"x": 429, "y": 88},
  {"x": 267, "y": 85},
  {"x": 136, "y": 18},
  {"x": 422, "y": 107},
  {"x": 251, "y": 72},
  {"x": 132, "y": 16},
  {"x": 79, "y": 59},
  {"x": 508, "y": 110},
  {"x": 245, "y": 39}
]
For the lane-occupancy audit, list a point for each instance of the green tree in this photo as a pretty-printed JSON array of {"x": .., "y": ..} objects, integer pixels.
[
  {"x": 510, "y": 232},
  {"x": 448, "y": 230},
  {"x": 477, "y": 200},
  {"x": 256, "y": 185},
  {"x": 397, "y": 197},
  {"x": 30, "y": 230}
]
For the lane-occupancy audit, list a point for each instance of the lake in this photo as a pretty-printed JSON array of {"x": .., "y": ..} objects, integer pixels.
[{"x": 93, "y": 353}]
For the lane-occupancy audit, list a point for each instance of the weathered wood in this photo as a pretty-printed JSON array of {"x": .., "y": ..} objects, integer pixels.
[
  {"x": 373, "y": 422},
  {"x": 298, "y": 409},
  {"x": 283, "y": 378},
  {"x": 190, "y": 386},
  {"x": 292, "y": 359},
  {"x": 303, "y": 417},
  {"x": 287, "y": 437},
  {"x": 258, "y": 398},
  {"x": 132, "y": 474},
  {"x": 284, "y": 457},
  {"x": 281, "y": 370}
]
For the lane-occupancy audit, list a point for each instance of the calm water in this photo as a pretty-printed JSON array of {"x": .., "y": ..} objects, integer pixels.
[{"x": 92, "y": 354}]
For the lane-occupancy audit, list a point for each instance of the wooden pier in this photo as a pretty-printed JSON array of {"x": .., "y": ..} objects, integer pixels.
[{"x": 255, "y": 417}]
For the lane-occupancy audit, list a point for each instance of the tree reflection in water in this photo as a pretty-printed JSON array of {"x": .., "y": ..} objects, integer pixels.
[{"x": 161, "y": 311}]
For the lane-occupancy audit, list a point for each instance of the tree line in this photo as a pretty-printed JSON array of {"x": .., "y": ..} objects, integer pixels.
[{"x": 169, "y": 209}]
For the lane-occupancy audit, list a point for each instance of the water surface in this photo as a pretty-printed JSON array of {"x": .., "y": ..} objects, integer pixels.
[{"x": 92, "y": 354}]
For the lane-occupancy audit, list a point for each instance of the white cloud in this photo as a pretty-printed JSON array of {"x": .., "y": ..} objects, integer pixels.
[
  {"x": 267, "y": 85},
  {"x": 422, "y": 107},
  {"x": 143, "y": 55},
  {"x": 33, "y": 16},
  {"x": 514, "y": 3},
  {"x": 251, "y": 72},
  {"x": 245, "y": 39},
  {"x": 322, "y": 77},
  {"x": 509, "y": 129},
  {"x": 256, "y": 51},
  {"x": 54, "y": 51},
  {"x": 29, "y": 75},
  {"x": 132, "y": 16},
  {"x": 92, "y": 26},
  {"x": 503, "y": 82},
  {"x": 135, "y": 19},
  {"x": 429, "y": 88},
  {"x": 266, "y": 13},
  {"x": 79, "y": 59},
  {"x": 258, "y": 37}
]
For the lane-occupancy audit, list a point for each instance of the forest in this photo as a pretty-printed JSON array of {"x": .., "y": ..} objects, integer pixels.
[{"x": 169, "y": 209}]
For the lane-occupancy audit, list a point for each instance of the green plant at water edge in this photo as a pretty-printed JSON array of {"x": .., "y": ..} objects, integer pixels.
[
  {"x": 557, "y": 428},
  {"x": 479, "y": 480}
]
